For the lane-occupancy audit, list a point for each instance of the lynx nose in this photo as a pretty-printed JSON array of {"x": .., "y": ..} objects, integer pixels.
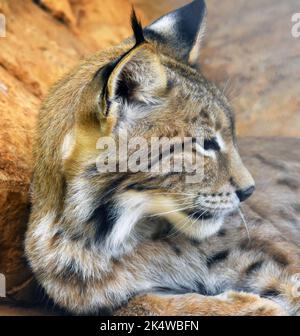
[{"x": 245, "y": 193}]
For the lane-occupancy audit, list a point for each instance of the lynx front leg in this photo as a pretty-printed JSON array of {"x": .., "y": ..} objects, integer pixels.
[{"x": 227, "y": 304}]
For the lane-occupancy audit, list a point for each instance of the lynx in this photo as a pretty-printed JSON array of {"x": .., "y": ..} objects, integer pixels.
[{"x": 98, "y": 242}]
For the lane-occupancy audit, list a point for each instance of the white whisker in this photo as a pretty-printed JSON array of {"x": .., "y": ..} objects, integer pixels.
[
  {"x": 245, "y": 223},
  {"x": 172, "y": 211}
]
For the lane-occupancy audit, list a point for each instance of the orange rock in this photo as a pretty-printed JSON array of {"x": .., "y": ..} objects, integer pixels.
[
  {"x": 103, "y": 23},
  {"x": 61, "y": 10},
  {"x": 37, "y": 51},
  {"x": 17, "y": 119}
]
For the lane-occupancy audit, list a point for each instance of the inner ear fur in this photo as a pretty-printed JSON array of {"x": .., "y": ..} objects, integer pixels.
[{"x": 138, "y": 77}]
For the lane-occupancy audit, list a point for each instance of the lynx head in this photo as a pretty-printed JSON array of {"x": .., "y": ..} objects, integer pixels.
[{"x": 147, "y": 88}]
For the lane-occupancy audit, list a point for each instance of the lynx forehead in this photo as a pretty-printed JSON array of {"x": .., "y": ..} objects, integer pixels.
[{"x": 96, "y": 240}]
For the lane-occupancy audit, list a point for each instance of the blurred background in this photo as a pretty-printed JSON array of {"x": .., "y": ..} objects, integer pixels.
[{"x": 249, "y": 51}]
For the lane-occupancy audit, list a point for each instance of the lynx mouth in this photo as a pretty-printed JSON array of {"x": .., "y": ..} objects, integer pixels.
[
  {"x": 201, "y": 214},
  {"x": 206, "y": 214}
]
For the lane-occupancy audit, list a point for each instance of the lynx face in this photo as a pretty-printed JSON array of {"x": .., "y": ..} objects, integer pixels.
[
  {"x": 147, "y": 94},
  {"x": 147, "y": 90}
]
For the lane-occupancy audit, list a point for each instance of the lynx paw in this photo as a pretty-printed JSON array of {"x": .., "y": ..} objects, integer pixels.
[
  {"x": 227, "y": 304},
  {"x": 245, "y": 304}
]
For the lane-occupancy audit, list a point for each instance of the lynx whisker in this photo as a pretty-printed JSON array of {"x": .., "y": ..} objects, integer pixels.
[{"x": 244, "y": 222}]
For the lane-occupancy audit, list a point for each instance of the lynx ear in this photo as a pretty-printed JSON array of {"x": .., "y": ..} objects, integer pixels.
[
  {"x": 137, "y": 78},
  {"x": 179, "y": 33}
]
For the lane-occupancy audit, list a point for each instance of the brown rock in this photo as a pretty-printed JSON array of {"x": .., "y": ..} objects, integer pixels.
[
  {"x": 61, "y": 10},
  {"x": 17, "y": 119},
  {"x": 103, "y": 23},
  {"x": 38, "y": 51}
]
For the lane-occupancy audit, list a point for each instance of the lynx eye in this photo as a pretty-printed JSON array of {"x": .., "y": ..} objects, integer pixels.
[{"x": 211, "y": 144}]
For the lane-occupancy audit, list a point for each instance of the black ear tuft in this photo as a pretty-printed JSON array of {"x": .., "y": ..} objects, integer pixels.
[{"x": 137, "y": 28}]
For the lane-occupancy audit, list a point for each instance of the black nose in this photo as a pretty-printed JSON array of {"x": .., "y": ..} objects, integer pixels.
[{"x": 245, "y": 193}]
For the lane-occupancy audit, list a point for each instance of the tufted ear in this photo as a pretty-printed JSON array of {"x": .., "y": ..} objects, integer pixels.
[
  {"x": 137, "y": 78},
  {"x": 179, "y": 33}
]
